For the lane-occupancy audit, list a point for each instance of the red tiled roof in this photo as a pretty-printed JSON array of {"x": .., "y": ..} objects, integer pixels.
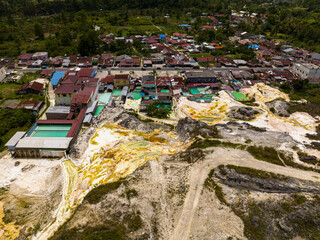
[
  {"x": 81, "y": 97},
  {"x": 121, "y": 76},
  {"x": 28, "y": 104},
  {"x": 205, "y": 59},
  {"x": 64, "y": 89},
  {"x": 85, "y": 72},
  {"x": 215, "y": 85},
  {"x": 108, "y": 79},
  {"x": 89, "y": 89},
  {"x": 25, "y": 56},
  {"x": 163, "y": 81},
  {"x": 46, "y": 72},
  {"x": 71, "y": 79},
  {"x": 77, "y": 123},
  {"x": 32, "y": 85}
]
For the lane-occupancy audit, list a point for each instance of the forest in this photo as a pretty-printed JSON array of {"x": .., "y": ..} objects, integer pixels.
[{"x": 63, "y": 27}]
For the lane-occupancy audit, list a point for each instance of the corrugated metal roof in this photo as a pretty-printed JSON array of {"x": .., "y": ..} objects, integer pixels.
[
  {"x": 56, "y": 77},
  {"x": 58, "y": 109},
  {"x": 92, "y": 107},
  {"x": 15, "y": 139},
  {"x": 44, "y": 142},
  {"x": 87, "y": 118}
]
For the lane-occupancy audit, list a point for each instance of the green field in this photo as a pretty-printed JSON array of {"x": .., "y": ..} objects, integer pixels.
[{"x": 239, "y": 96}]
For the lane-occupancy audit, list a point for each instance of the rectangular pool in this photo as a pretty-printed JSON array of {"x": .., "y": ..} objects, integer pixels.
[
  {"x": 51, "y": 131},
  {"x": 116, "y": 92},
  {"x": 194, "y": 91},
  {"x": 105, "y": 97}
]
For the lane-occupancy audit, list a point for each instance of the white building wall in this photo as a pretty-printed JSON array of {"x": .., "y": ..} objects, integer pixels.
[
  {"x": 2, "y": 73},
  {"x": 306, "y": 70}
]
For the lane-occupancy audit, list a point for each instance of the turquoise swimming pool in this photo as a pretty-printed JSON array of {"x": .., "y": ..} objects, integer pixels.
[
  {"x": 51, "y": 131},
  {"x": 99, "y": 109},
  {"x": 194, "y": 91},
  {"x": 105, "y": 97}
]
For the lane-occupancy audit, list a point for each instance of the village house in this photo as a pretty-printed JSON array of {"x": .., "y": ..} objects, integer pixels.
[
  {"x": 201, "y": 77},
  {"x": 121, "y": 80},
  {"x": 306, "y": 70},
  {"x": 34, "y": 106},
  {"x": 31, "y": 87},
  {"x": 64, "y": 94}
]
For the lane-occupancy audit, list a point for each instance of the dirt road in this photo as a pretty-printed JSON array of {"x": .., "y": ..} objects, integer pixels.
[{"x": 200, "y": 171}]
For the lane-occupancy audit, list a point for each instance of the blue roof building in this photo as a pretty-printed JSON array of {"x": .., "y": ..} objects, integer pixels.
[
  {"x": 56, "y": 78},
  {"x": 162, "y": 37},
  {"x": 253, "y": 46}
]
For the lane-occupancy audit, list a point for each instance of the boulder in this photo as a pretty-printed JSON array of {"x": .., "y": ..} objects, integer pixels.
[
  {"x": 190, "y": 128},
  {"x": 243, "y": 113}
]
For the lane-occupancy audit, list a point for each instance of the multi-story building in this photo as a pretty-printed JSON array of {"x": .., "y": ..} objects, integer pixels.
[
  {"x": 306, "y": 70},
  {"x": 121, "y": 80}
]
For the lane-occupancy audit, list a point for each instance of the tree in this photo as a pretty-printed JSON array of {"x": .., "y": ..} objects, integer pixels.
[
  {"x": 38, "y": 31},
  {"x": 65, "y": 37},
  {"x": 88, "y": 43},
  {"x": 10, "y": 20},
  {"x": 157, "y": 109}
]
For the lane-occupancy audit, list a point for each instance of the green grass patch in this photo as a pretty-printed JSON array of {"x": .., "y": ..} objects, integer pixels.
[{"x": 28, "y": 77}]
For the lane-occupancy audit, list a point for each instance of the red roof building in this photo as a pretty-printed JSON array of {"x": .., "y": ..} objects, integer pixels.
[
  {"x": 107, "y": 80},
  {"x": 46, "y": 73},
  {"x": 31, "y": 87},
  {"x": 85, "y": 72},
  {"x": 67, "y": 89}
]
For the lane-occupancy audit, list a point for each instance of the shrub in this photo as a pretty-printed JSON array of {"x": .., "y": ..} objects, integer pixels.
[
  {"x": 95, "y": 195},
  {"x": 266, "y": 154}
]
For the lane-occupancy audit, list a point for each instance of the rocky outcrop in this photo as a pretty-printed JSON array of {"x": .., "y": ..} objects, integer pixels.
[
  {"x": 107, "y": 116},
  {"x": 190, "y": 128},
  {"x": 121, "y": 117},
  {"x": 268, "y": 185},
  {"x": 243, "y": 113},
  {"x": 246, "y": 133},
  {"x": 279, "y": 108}
]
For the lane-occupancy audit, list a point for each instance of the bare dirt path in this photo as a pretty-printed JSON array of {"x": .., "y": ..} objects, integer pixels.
[
  {"x": 200, "y": 171},
  {"x": 64, "y": 211}
]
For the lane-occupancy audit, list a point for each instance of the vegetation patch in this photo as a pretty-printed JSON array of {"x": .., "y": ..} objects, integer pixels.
[
  {"x": 307, "y": 158},
  {"x": 13, "y": 120},
  {"x": 130, "y": 193},
  {"x": 95, "y": 195},
  {"x": 107, "y": 231},
  {"x": 134, "y": 221},
  {"x": 206, "y": 143},
  {"x": 254, "y": 172},
  {"x": 211, "y": 185},
  {"x": 266, "y": 154},
  {"x": 158, "y": 110},
  {"x": 293, "y": 216}
]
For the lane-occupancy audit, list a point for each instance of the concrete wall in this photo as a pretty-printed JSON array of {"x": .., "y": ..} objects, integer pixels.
[
  {"x": 64, "y": 100},
  {"x": 2, "y": 73}
]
